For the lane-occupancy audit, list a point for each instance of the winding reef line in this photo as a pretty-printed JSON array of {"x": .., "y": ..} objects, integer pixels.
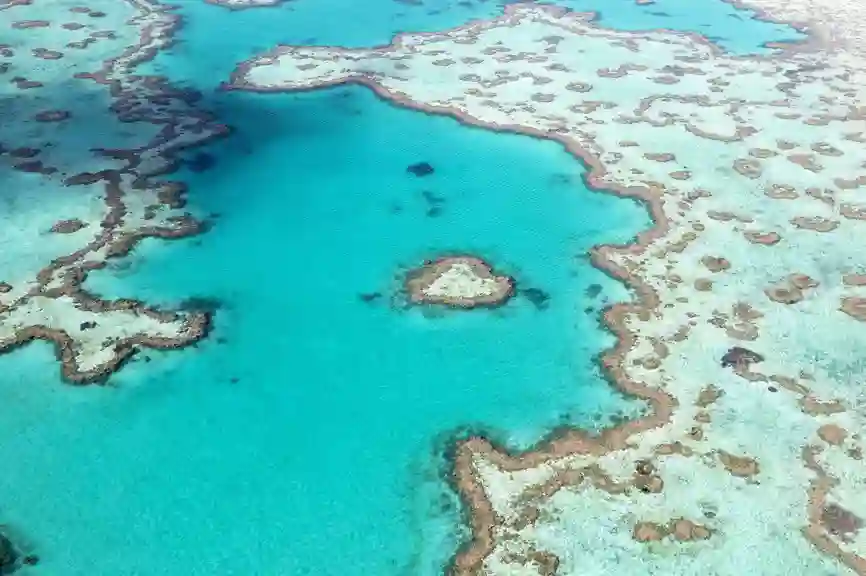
[{"x": 136, "y": 98}]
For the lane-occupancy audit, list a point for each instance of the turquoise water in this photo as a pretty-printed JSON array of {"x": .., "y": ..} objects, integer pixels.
[
  {"x": 214, "y": 39},
  {"x": 308, "y": 434},
  {"x": 331, "y": 438}
]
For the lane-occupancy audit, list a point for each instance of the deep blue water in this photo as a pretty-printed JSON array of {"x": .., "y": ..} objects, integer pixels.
[{"x": 307, "y": 434}]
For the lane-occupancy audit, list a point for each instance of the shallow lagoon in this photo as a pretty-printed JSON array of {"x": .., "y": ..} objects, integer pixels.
[{"x": 308, "y": 434}]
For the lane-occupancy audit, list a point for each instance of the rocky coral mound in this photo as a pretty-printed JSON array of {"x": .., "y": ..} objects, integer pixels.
[{"x": 458, "y": 281}]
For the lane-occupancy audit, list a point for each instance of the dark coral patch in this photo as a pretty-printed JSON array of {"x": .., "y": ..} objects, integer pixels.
[
  {"x": 201, "y": 304},
  {"x": 370, "y": 297},
  {"x": 35, "y": 167},
  {"x": 81, "y": 44},
  {"x": 201, "y": 162},
  {"x": 84, "y": 178},
  {"x": 538, "y": 297},
  {"x": 8, "y": 556},
  {"x": 52, "y": 116},
  {"x": 68, "y": 226},
  {"x": 740, "y": 358},
  {"x": 420, "y": 169},
  {"x": 46, "y": 54},
  {"x": 593, "y": 290},
  {"x": 23, "y": 152},
  {"x": 25, "y": 84},
  {"x": 840, "y": 522},
  {"x": 27, "y": 24},
  {"x": 30, "y": 560}
]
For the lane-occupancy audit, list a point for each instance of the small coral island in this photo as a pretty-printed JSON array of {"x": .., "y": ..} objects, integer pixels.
[{"x": 458, "y": 281}]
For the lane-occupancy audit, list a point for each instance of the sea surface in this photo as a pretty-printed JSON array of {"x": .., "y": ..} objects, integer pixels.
[{"x": 309, "y": 433}]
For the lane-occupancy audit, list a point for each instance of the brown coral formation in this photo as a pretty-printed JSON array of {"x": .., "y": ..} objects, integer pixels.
[
  {"x": 660, "y": 157},
  {"x": 52, "y": 116},
  {"x": 458, "y": 281},
  {"x": 28, "y": 24},
  {"x": 545, "y": 563},
  {"x": 741, "y": 466},
  {"x": 708, "y": 396},
  {"x": 715, "y": 263},
  {"x": 681, "y": 530},
  {"x": 740, "y": 324},
  {"x": 748, "y": 168},
  {"x": 790, "y": 290},
  {"x": 854, "y": 307},
  {"x": 37, "y": 310},
  {"x": 815, "y": 223},
  {"x": 645, "y": 478},
  {"x": 763, "y": 238},
  {"x": 47, "y": 54},
  {"x": 832, "y": 434},
  {"x": 68, "y": 226},
  {"x": 244, "y": 4},
  {"x": 782, "y": 192},
  {"x": 840, "y": 522},
  {"x": 854, "y": 280}
]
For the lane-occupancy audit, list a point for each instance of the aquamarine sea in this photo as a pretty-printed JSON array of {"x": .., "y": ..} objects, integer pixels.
[{"x": 309, "y": 434}]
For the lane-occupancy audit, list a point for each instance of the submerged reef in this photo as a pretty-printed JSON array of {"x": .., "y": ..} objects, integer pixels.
[
  {"x": 12, "y": 557},
  {"x": 420, "y": 169},
  {"x": 82, "y": 158},
  {"x": 243, "y": 4},
  {"x": 458, "y": 281},
  {"x": 747, "y": 328},
  {"x": 8, "y": 556},
  {"x": 829, "y": 24}
]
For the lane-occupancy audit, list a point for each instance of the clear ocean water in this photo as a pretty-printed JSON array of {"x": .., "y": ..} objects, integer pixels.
[{"x": 309, "y": 433}]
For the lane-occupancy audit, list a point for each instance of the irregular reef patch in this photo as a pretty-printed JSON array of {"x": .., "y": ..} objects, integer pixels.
[
  {"x": 459, "y": 282},
  {"x": 420, "y": 169},
  {"x": 12, "y": 557},
  {"x": 8, "y": 556},
  {"x": 85, "y": 78},
  {"x": 244, "y": 4}
]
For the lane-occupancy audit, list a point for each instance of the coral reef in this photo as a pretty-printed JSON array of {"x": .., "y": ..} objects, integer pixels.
[
  {"x": 243, "y": 4},
  {"x": 747, "y": 328},
  {"x": 458, "y": 281},
  {"x": 97, "y": 140},
  {"x": 830, "y": 25},
  {"x": 8, "y": 556}
]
